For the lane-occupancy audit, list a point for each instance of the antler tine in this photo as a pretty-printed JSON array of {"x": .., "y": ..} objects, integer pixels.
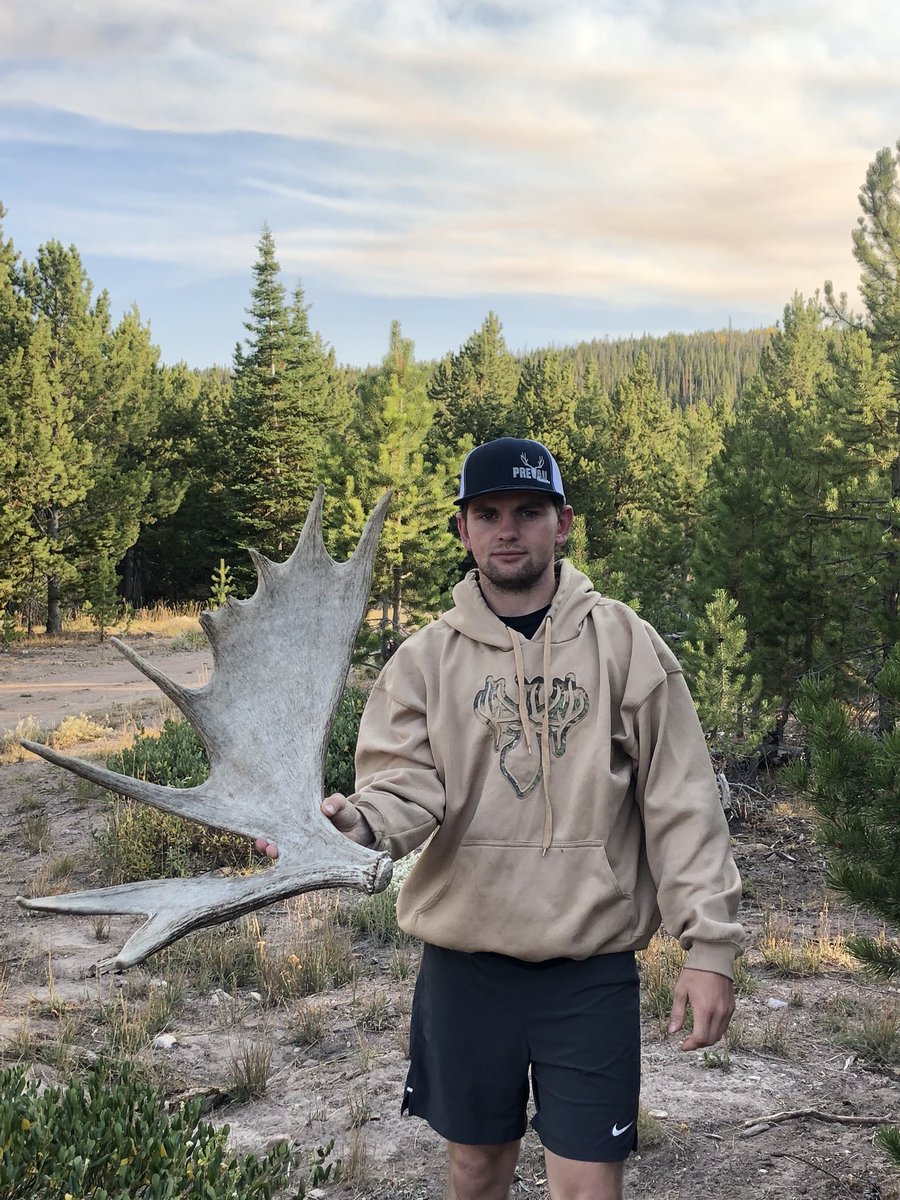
[
  {"x": 176, "y": 906},
  {"x": 310, "y": 544},
  {"x": 368, "y": 541},
  {"x": 192, "y": 802},
  {"x": 183, "y": 698}
]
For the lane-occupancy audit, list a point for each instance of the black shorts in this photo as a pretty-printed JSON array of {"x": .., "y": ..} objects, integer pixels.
[{"x": 480, "y": 1022}]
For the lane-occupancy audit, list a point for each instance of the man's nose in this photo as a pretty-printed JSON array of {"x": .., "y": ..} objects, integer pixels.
[{"x": 508, "y": 528}]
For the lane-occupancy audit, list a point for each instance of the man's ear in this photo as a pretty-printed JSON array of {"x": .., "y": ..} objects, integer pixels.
[
  {"x": 564, "y": 524},
  {"x": 461, "y": 529}
]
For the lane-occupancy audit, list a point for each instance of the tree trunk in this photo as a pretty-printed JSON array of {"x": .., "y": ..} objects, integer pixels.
[
  {"x": 133, "y": 582},
  {"x": 396, "y": 595},
  {"x": 891, "y": 594},
  {"x": 54, "y": 612}
]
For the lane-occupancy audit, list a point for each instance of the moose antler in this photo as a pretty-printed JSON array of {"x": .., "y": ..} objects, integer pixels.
[{"x": 281, "y": 660}]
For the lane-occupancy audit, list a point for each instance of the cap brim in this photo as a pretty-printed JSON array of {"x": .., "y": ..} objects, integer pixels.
[{"x": 510, "y": 487}]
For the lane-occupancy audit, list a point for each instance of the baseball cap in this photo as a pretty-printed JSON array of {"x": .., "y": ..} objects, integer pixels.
[{"x": 509, "y": 464}]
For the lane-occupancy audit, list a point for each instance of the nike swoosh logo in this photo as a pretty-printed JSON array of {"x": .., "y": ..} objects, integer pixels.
[{"x": 617, "y": 1132}]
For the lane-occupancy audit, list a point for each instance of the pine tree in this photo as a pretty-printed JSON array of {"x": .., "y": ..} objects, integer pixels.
[
  {"x": 70, "y": 332},
  {"x": 732, "y": 711},
  {"x": 853, "y": 780},
  {"x": 17, "y": 434},
  {"x": 761, "y": 540},
  {"x": 545, "y": 406},
  {"x": 417, "y": 553},
  {"x": 280, "y": 413},
  {"x": 474, "y": 390},
  {"x": 176, "y": 554},
  {"x": 652, "y": 496},
  {"x": 86, "y": 415},
  {"x": 870, "y": 427}
]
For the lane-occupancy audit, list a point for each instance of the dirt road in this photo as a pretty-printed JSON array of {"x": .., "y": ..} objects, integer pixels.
[{"x": 49, "y": 684}]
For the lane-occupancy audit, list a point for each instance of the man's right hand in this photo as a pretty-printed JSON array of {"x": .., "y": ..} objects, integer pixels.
[
  {"x": 348, "y": 819},
  {"x": 343, "y": 815}
]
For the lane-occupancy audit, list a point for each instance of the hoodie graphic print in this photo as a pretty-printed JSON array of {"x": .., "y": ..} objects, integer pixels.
[{"x": 568, "y": 704}]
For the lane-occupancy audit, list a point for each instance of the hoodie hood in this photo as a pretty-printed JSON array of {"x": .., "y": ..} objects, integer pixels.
[{"x": 575, "y": 598}]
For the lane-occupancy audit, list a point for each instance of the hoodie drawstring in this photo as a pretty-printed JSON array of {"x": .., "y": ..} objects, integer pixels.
[
  {"x": 547, "y": 836},
  {"x": 545, "y": 744}
]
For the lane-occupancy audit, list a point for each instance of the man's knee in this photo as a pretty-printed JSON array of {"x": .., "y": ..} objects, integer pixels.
[
  {"x": 481, "y": 1172},
  {"x": 571, "y": 1180}
]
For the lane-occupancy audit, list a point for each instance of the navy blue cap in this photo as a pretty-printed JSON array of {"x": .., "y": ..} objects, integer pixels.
[{"x": 509, "y": 465}]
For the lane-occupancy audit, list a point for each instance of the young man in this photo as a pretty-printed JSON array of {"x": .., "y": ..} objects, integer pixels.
[{"x": 544, "y": 736}]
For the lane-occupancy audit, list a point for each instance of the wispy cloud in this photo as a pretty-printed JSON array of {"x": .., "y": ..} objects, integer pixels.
[{"x": 449, "y": 147}]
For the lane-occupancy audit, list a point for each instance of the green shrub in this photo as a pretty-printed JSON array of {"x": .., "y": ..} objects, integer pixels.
[
  {"x": 140, "y": 842},
  {"x": 110, "y": 1138},
  {"x": 175, "y": 759},
  {"x": 340, "y": 769}
]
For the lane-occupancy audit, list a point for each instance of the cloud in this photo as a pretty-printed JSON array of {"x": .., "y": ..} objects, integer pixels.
[{"x": 448, "y": 146}]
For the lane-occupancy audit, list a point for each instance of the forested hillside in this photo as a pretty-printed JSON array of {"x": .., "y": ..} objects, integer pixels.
[{"x": 739, "y": 488}]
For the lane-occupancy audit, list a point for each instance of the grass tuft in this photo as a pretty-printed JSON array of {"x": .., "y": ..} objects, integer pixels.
[{"x": 249, "y": 1069}]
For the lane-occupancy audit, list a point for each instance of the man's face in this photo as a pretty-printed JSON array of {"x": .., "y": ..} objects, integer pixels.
[{"x": 513, "y": 537}]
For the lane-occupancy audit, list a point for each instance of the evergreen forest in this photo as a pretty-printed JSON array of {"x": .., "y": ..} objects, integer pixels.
[{"x": 740, "y": 489}]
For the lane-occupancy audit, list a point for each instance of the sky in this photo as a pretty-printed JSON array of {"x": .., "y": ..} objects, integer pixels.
[{"x": 585, "y": 169}]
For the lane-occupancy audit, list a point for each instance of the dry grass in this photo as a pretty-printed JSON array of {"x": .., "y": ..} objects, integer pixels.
[
  {"x": 308, "y": 1025},
  {"x": 791, "y": 954},
  {"x": 75, "y": 730},
  {"x": 357, "y": 1167},
  {"x": 28, "y": 729},
  {"x": 660, "y": 965},
  {"x": 378, "y": 1014},
  {"x": 164, "y": 620},
  {"x": 52, "y": 877},
  {"x": 132, "y": 1023},
  {"x": 315, "y": 955},
  {"x": 650, "y": 1129},
  {"x": 871, "y": 1028},
  {"x": 35, "y": 831}
]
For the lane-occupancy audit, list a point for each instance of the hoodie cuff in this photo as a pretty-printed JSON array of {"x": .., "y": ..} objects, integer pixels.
[{"x": 713, "y": 956}]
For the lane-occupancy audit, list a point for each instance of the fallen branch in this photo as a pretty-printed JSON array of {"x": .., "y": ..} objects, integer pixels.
[{"x": 817, "y": 1115}]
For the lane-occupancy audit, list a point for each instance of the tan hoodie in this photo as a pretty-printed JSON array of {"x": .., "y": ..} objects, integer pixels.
[{"x": 560, "y": 828}]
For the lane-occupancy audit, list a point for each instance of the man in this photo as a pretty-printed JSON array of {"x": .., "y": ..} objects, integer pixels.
[{"x": 544, "y": 735}]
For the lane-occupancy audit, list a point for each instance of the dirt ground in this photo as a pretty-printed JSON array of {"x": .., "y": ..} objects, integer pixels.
[{"x": 707, "y": 1131}]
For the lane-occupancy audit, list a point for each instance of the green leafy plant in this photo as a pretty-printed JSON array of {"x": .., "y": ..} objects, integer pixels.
[
  {"x": 111, "y": 1138},
  {"x": 137, "y": 841},
  {"x": 340, "y": 768},
  {"x": 222, "y": 585}
]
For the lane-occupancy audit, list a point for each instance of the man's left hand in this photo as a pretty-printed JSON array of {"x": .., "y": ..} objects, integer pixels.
[{"x": 711, "y": 997}]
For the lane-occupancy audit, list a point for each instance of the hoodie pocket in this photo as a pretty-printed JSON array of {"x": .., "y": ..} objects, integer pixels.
[{"x": 510, "y": 898}]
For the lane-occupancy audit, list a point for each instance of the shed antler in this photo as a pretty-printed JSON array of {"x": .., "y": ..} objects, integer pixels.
[{"x": 281, "y": 660}]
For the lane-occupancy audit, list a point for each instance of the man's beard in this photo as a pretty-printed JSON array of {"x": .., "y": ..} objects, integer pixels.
[{"x": 524, "y": 580}]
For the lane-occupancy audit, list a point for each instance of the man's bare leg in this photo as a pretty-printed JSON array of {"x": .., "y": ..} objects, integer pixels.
[
  {"x": 481, "y": 1172},
  {"x": 571, "y": 1180}
]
